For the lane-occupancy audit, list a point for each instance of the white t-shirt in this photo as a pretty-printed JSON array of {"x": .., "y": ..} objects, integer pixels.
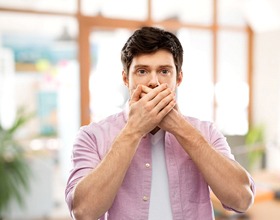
[{"x": 160, "y": 207}]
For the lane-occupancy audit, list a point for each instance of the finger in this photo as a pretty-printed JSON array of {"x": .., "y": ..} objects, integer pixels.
[
  {"x": 163, "y": 102},
  {"x": 136, "y": 95},
  {"x": 146, "y": 89},
  {"x": 163, "y": 112},
  {"x": 154, "y": 92},
  {"x": 163, "y": 98}
]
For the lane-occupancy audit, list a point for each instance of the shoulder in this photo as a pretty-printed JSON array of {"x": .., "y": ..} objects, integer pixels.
[
  {"x": 109, "y": 124},
  {"x": 201, "y": 125},
  {"x": 207, "y": 128},
  {"x": 213, "y": 135},
  {"x": 97, "y": 136}
]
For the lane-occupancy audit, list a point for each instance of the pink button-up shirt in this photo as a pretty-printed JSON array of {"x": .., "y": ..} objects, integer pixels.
[{"x": 189, "y": 193}]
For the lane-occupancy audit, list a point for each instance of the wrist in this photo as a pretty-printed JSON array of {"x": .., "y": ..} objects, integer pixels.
[{"x": 131, "y": 130}]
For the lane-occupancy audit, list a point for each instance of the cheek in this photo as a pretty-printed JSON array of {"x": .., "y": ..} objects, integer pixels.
[
  {"x": 172, "y": 84},
  {"x": 132, "y": 85},
  {"x": 135, "y": 81},
  {"x": 131, "y": 88}
]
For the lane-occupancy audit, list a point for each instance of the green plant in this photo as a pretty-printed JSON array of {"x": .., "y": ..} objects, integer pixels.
[
  {"x": 254, "y": 140},
  {"x": 14, "y": 166}
]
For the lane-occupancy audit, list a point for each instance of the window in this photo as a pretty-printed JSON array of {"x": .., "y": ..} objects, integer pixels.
[{"x": 214, "y": 34}]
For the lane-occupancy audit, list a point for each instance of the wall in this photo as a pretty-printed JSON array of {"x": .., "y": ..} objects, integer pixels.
[{"x": 266, "y": 103}]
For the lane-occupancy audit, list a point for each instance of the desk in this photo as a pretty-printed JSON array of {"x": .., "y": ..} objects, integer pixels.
[
  {"x": 265, "y": 210},
  {"x": 265, "y": 207}
]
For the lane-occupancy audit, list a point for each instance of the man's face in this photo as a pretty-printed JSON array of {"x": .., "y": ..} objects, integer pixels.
[{"x": 152, "y": 70}]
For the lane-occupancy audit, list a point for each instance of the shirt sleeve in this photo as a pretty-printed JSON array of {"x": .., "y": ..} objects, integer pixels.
[
  {"x": 220, "y": 143},
  {"x": 84, "y": 158}
]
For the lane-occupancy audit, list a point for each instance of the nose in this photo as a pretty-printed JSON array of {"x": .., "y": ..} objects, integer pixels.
[{"x": 153, "y": 82}]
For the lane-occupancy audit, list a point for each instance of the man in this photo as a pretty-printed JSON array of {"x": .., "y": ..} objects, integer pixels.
[{"x": 150, "y": 161}]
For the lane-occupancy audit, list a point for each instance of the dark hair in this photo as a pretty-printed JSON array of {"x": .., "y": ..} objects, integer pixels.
[{"x": 148, "y": 40}]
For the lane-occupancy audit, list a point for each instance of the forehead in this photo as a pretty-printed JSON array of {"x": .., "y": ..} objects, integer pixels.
[{"x": 158, "y": 58}]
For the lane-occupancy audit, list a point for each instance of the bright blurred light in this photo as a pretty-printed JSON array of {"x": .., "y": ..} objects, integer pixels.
[
  {"x": 261, "y": 15},
  {"x": 7, "y": 81},
  {"x": 233, "y": 94},
  {"x": 107, "y": 91},
  {"x": 232, "y": 102}
]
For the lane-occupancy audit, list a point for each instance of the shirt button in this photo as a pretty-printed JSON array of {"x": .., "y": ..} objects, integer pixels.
[
  {"x": 145, "y": 198},
  {"x": 147, "y": 165}
]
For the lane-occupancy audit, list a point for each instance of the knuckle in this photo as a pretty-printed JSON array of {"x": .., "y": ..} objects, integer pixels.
[{"x": 148, "y": 107}]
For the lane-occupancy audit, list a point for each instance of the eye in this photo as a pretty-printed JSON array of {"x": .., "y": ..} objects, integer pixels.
[
  {"x": 165, "y": 71},
  {"x": 141, "y": 71}
]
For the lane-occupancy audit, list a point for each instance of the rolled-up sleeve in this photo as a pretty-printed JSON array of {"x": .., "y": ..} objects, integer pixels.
[
  {"x": 220, "y": 143},
  {"x": 84, "y": 158}
]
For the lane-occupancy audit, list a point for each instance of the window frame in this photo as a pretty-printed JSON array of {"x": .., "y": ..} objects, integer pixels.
[{"x": 88, "y": 23}]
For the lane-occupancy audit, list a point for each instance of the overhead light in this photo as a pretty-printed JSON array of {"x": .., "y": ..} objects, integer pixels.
[{"x": 65, "y": 35}]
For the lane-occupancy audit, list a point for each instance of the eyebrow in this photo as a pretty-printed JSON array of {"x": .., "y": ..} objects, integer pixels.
[
  {"x": 145, "y": 66},
  {"x": 168, "y": 66},
  {"x": 140, "y": 66}
]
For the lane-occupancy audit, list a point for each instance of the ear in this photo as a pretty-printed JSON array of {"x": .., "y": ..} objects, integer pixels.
[
  {"x": 179, "y": 78},
  {"x": 125, "y": 78}
]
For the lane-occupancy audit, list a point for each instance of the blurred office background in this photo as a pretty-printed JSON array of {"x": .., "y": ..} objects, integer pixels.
[{"x": 60, "y": 59}]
